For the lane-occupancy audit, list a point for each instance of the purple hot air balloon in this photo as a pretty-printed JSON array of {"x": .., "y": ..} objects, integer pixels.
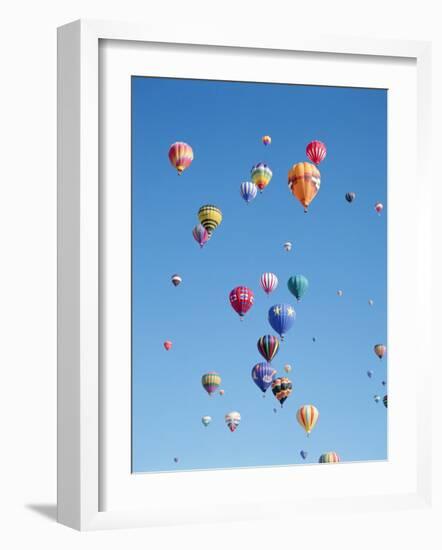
[
  {"x": 200, "y": 234},
  {"x": 262, "y": 374}
]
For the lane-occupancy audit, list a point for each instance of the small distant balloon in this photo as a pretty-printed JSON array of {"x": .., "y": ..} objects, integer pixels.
[
  {"x": 350, "y": 197},
  {"x": 275, "y": 410},
  {"x": 329, "y": 458},
  {"x": 267, "y": 140},
  {"x": 287, "y": 246},
  {"x": 384, "y": 383},
  {"x": 379, "y": 207},
  {"x": 314, "y": 339},
  {"x": 167, "y": 345},
  {"x": 370, "y": 373},
  {"x": 340, "y": 293},
  {"x": 370, "y": 302},
  {"x": 232, "y": 420},
  {"x": 303, "y": 454},
  {"x": 221, "y": 392},
  {"x": 248, "y": 191},
  {"x": 175, "y": 459},
  {"x": 206, "y": 420},
  {"x": 288, "y": 368},
  {"x": 377, "y": 398},
  {"x": 385, "y": 401},
  {"x": 380, "y": 350},
  {"x": 176, "y": 280},
  {"x": 316, "y": 151}
]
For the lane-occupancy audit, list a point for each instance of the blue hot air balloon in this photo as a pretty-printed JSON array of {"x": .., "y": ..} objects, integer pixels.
[
  {"x": 262, "y": 374},
  {"x": 298, "y": 285},
  {"x": 248, "y": 190},
  {"x": 369, "y": 373},
  {"x": 303, "y": 454},
  {"x": 281, "y": 318}
]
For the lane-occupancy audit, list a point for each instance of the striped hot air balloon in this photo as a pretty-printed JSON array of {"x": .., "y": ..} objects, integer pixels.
[
  {"x": 350, "y": 197},
  {"x": 232, "y": 420},
  {"x": 261, "y": 175},
  {"x": 304, "y": 181},
  {"x": 180, "y": 156},
  {"x": 268, "y": 346},
  {"x": 210, "y": 217},
  {"x": 307, "y": 417},
  {"x": 268, "y": 282},
  {"x": 211, "y": 381},
  {"x": 329, "y": 458},
  {"x": 281, "y": 388},
  {"x": 200, "y": 235},
  {"x": 241, "y": 299},
  {"x": 248, "y": 191},
  {"x": 316, "y": 151}
]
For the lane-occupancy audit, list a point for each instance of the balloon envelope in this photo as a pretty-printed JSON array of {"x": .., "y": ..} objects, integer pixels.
[
  {"x": 304, "y": 181},
  {"x": 268, "y": 282},
  {"x": 241, "y": 299},
  {"x": 206, "y": 420},
  {"x": 210, "y": 216},
  {"x": 281, "y": 388},
  {"x": 176, "y": 279},
  {"x": 380, "y": 350},
  {"x": 267, "y": 140},
  {"x": 211, "y": 381},
  {"x": 232, "y": 420},
  {"x": 350, "y": 197},
  {"x": 329, "y": 458},
  {"x": 261, "y": 175},
  {"x": 307, "y": 417},
  {"x": 180, "y": 156},
  {"x": 167, "y": 345},
  {"x": 316, "y": 151},
  {"x": 281, "y": 318},
  {"x": 200, "y": 234},
  {"x": 248, "y": 190},
  {"x": 262, "y": 375},
  {"x": 298, "y": 285},
  {"x": 287, "y": 246},
  {"x": 303, "y": 454},
  {"x": 268, "y": 346}
]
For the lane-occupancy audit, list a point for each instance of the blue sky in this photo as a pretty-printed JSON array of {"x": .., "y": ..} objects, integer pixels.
[{"x": 336, "y": 246}]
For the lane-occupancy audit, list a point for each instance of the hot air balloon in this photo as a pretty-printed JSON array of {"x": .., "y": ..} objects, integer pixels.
[
  {"x": 268, "y": 282},
  {"x": 211, "y": 381},
  {"x": 180, "y": 156},
  {"x": 350, "y": 197},
  {"x": 304, "y": 181},
  {"x": 380, "y": 350},
  {"x": 167, "y": 345},
  {"x": 200, "y": 234},
  {"x": 261, "y": 175},
  {"x": 221, "y": 392},
  {"x": 298, "y": 285},
  {"x": 176, "y": 280},
  {"x": 329, "y": 458},
  {"x": 369, "y": 373},
  {"x": 281, "y": 388},
  {"x": 281, "y": 318},
  {"x": 370, "y": 302},
  {"x": 385, "y": 401},
  {"x": 287, "y": 246},
  {"x": 175, "y": 459},
  {"x": 206, "y": 420},
  {"x": 307, "y": 417},
  {"x": 232, "y": 420},
  {"x": 268, "y": 346},
  {"x": 262, "y": 374},
  {"x": 267, "y": 140},
  {"x": 379, "y": 207},
  {"x": 303, "y": 454},
  {"x": 248, "y": 191},
  {"x": 210, "y": 217},
  {"x": 377, "y": 398},
  {"x": 340, "y": 293},
  {"x": 288, "y": 368},
  {"x": 241, "y": 299},
  {"x": 316, "y": 151},
  {"x": 384, "y": 383},
  {"x": 314, "y": 339},
  {"x": 275, "y": 410}
]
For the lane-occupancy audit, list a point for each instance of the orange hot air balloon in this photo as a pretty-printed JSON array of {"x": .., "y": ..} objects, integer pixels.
[
  {"x": 304, "y": 181},
  {"x": 167, "y": 345},
  {"x": 180, "y": 156}
]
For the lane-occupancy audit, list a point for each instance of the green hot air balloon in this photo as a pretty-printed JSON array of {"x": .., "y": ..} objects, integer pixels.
[{"x": 298, "y": 285}]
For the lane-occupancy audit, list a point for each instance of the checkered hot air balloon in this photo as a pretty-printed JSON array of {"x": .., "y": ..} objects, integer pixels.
[
  {"x": 268, "y": 282},
  {"x": 241, "y": 299}
]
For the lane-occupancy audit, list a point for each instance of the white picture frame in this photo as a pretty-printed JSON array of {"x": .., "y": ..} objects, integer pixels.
[{"x": 95, "y": 487}]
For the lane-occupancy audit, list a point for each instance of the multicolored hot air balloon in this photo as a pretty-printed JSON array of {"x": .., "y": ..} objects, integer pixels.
[
  {"x": 298, "y": 285},
  {"x": 329, "y": 458},
  {"x": 267, "y": 140},
  {"x": 262, "y": 375},
  {"x": 206, "y": 420},
  {"x": 180, "y": 156},
  {"x": 350, "y": 197},
  {"x": 210, "y": 382},
  {"x": 316, "y": 151},
  {"x": 241, "y": 299},
  {"x": 304, "y": 182},
  {"x": 287, "y": 246},
  {"x": 268, "y": 282},
  {"x": 281, "y": 318},
  {"x": 210, "y": 217},
  {"x": 376, "y": 398},
  {"x": 200, "y": 234},
  {"x": 380, "y": 350},
  {"x": 261, "y": 175},
  {"x": 379, "y": 207},
  {"x": 248, "y": 191},
  {"x": 167, "y": 345},
  {"x": 370, "y": 373},
  {"x": 385, "y": 401},
  {"x": 232, "y": 420},
  {"x": 303, "y": 454},
  {"x": 307, "y": 417},
  {"x": 288, "y": 368},
  {"x": 268, "y": 346},
  {"x": 281, "y": 388},
  {"x": 176, "y": 280}
]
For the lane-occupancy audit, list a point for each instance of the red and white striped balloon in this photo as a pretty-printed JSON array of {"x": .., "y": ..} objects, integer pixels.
[
  {"x": 269, "y": 282},
  {"x": 316, "y": 151}
]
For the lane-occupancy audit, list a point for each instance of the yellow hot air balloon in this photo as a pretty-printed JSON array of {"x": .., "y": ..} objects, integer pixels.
[
  {"x": 180, "y": 156},
  {"x": 304, "y": 181},
  {"x": 307, "y": 417},
  {"x": 210, "y": 217}
]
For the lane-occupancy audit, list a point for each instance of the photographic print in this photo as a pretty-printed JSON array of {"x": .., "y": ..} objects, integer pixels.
[{"x": 259, "y": 274}]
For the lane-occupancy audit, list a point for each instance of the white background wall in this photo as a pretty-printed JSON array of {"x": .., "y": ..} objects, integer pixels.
[{"x": 28, "y": 266}]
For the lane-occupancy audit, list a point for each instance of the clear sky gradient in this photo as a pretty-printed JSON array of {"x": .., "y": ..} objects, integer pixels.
[{"x": 336, "y": 246}]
